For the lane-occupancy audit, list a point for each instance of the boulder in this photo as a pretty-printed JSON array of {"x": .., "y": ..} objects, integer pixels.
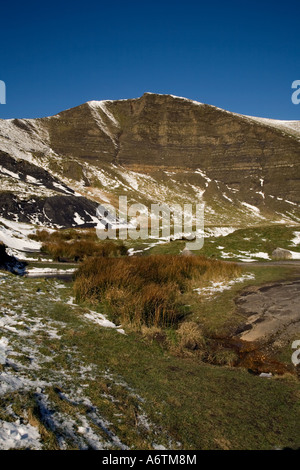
[{"x": 281, "y": 253}]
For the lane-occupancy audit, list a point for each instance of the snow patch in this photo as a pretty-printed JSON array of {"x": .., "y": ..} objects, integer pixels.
[
  {"x": 219, "y": 231},
  {"x": 15, "y": 236},
  {"x": 204, "y": 175},
  {"x": 9, "y": 173},
  {"x": 295, "y": 254},
  {"x": 252, "y": 208},
  {"x": 218, "y": 287},
  {"x": 78, "y": 220},
  {"x": 98, "y": 318},
  {"x": 259, "y": 254},
  {"x": 296, "y": 239},
  {"x": 16, "y": 436}
]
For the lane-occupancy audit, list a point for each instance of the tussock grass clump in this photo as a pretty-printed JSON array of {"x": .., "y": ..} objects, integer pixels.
[
  {"x": 64, "y": 234},
  {"x": 76, "y": 244},
  {"x": 154, "y": 333},
  {"x": 191, "y": 336},
  {"x": 145, "y": 290},
  {"x": 78, "y": 250},
  {"x": 224, "y": 357}
]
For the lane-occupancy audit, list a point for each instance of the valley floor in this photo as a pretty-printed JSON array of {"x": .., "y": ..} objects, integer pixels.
[{"x": 71, "y": 379}]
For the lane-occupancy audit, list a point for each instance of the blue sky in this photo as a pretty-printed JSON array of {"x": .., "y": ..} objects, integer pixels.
[{"x": 239, "y": 55}]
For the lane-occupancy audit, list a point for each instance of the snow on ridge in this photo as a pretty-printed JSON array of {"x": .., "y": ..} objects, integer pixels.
[
  {"x": 131, "y": 179},
  {"x": 185, "y": 99},
  {"x": 226, "y": 197},
  {"x": 63, "y": 188},
  {"x": 198, "y": 191},
  {"x": 293, "y": 124},
  {"x": 102, "y": 106},
  {"x": 99, "y": 120},
  {"x": 282, "y": 125},
  {"x": 33, "y": 180}
]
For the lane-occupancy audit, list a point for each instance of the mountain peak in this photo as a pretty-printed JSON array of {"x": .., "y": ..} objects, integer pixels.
[{"x": 157, "y": 147}]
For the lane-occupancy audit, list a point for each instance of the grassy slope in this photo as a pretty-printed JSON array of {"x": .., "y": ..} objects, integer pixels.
[
  {"x": 201, "y": 406},
  {"x": 250, "y": 240}
]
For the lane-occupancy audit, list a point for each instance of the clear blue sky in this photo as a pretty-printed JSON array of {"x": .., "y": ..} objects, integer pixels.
[{"x": 239, "y": 55}]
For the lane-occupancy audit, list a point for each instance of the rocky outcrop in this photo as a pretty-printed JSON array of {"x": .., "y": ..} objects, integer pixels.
[
  {"x": 281, "y": 253},
  {"x": 32, "y": 174},
  {"x": 59, "y": 211},
  {"x": 10, "y": 263}
]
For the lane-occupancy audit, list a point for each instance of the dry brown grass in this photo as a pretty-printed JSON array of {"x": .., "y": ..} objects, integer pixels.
[
  {"x": 224, "y": 357},
  {"x": 153, "y": 333},
  {"x": 145, "y": 290},
  {"x": 64, "y": 234},
  {"x": 191, "y": 336},
  {"x": 76, "y": 244},
  {"x": 78, "y": 250}
]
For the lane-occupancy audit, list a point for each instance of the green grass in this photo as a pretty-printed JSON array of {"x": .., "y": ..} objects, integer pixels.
[
  {"x": 217, "y": 314},
  {"x": 250, "y": 240},
  {"x": 204, "y": 406},
  {"x": 187, "y": 401}
]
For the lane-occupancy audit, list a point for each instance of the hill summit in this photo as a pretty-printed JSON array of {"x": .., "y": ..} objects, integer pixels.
[{"x": 156, "y": 148}]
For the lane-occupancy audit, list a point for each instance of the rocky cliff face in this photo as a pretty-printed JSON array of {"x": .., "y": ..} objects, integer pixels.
[{"x": 157, "y": 148}]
